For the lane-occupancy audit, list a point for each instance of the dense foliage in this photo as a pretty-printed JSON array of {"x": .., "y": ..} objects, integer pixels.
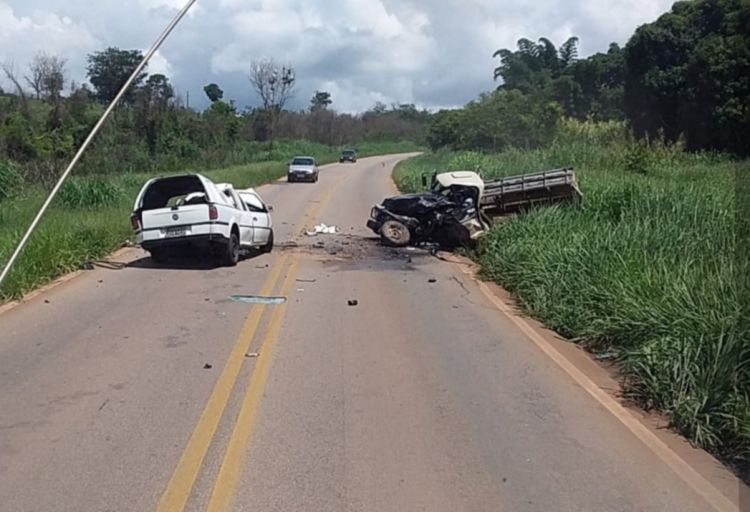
[
  {"x": 688, "y": 74},
  {"x": 685, "y": 75}
]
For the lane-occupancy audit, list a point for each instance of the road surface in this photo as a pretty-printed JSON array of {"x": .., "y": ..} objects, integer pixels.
[{"x": 138, "y": 387}]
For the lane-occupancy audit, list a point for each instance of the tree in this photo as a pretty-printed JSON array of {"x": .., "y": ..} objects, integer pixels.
[
  {"x": 214, "y": 92},
  {"x": 320, "y": 101},
  {"x": 569, "y": 52},
  {"x": 46, "y": 76},
  {"x": 108, "y": 71},
  {"x": 9, "y": 70},
  {"x": 159, "y": 91},
  {"x": 585, "y": 88},
  {"x": 686, "y": 75},
  {"x": 274, "y": 85}
]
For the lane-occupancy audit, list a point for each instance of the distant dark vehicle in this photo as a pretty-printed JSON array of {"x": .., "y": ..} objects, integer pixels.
[{"x": 348, "y": 155}]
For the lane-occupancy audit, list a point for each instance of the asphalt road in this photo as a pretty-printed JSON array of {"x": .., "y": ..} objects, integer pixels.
[{"x": 139, "y": 387}]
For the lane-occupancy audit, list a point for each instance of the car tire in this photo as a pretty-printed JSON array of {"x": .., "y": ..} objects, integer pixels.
[
  {"x": 265, "y": 249},
  {"x": 394, "y": 234},
  {"x": 232, "y": 250},
  {"x": 289, "y": 179}
]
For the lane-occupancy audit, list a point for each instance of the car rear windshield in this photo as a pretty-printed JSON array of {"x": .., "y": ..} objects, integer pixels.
[
  {"x": 168, "y": 192},
  {"x": 303, "y": 161}
]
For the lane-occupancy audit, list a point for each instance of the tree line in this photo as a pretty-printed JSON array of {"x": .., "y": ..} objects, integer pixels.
[
  {"x": 682, "y": 77},
  {"x": 44, "y": 117}
]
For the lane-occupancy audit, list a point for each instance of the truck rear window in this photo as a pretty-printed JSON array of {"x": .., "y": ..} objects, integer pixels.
[{"x": 168, "y": 192}]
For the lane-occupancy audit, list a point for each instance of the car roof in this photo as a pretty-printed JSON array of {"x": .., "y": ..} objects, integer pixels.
[{"x": 303, "y": 156}]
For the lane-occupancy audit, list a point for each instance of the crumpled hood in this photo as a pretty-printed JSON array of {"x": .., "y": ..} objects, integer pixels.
[{"x": 415, "y": 205}]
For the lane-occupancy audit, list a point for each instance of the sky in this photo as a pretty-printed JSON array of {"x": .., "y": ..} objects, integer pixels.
[{"x": 433, "y": 53}]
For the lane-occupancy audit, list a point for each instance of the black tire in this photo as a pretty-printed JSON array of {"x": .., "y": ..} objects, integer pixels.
[
  {"x": 265, "y": 249},
  {"x": 289, "y": 179},
  {"x": 232, "y": 250},
  {"x": 159, "y": 255},
  {"x": 394, "y": 234}
]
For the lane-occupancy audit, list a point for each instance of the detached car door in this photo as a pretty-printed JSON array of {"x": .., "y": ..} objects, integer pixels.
[{"x": 261, "y": 218}]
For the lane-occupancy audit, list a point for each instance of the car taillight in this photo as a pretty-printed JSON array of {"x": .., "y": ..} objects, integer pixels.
[
  {"x": 135, "y": 220},
  {"x": 213, "y": 212}
]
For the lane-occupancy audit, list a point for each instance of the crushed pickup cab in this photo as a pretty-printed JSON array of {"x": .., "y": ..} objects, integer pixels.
[{"x": 460, "y": 206}]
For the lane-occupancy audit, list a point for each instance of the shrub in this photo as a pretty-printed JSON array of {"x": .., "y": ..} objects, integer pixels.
[
  {"x": 89, "y": 193},
  {"x": 10, "y": 179}
]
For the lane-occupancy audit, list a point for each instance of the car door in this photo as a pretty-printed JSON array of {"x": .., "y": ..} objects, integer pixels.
[
  {"x": 245, "y": 217},
  {"x": 261, "y": 218}
]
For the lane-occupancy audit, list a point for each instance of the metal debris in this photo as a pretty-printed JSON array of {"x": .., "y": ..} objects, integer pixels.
[{"x": 353, "y": 303}]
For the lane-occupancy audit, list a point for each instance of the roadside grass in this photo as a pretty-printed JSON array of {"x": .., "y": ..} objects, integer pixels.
[
  {"x": 647, "y": 271},
  {"x": 91, "y": 215}
]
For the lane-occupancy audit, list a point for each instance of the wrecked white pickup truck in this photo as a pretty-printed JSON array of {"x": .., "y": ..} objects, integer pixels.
[
  {"x": 190, "y": 210},
  {"x": 460, "y": 206}
]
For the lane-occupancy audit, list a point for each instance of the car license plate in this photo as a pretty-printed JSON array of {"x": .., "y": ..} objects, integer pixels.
[{"x": 177, "y": 231}]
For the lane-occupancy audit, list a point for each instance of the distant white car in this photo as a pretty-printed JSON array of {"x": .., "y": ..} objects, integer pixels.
[
  {"x": 191, "y": 210},
  {"x": 303, "y": 168}
]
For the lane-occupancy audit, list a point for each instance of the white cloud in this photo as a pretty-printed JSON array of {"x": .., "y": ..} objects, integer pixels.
[{"x": 421, "y": 51}]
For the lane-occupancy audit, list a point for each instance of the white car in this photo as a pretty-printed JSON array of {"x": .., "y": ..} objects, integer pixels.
[
  {"x": 303, "y": 168},
  {"x": 191, "y": 210}
]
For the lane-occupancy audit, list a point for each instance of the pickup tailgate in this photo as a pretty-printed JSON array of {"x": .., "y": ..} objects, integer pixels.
[{"x": 176, "y": 221}]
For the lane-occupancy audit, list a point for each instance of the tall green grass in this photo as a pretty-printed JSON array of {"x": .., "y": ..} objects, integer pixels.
[{"x": 645, "y": 268}]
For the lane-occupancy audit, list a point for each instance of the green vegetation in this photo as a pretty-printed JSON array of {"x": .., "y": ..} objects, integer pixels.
[
  {"x": 687, "y": 75},
  {"x": 644, "y": 269},
  {"x": 683, "y": 76}
]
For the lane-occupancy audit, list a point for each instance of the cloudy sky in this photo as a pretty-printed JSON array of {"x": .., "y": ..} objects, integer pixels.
[{"x": 434, "y": 53}]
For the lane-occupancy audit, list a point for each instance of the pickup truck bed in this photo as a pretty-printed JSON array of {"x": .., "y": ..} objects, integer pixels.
[{"x": 515, "y": 193}]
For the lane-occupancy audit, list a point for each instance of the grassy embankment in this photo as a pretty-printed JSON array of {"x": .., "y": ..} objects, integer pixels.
[
  {"x": 91, "y": 215},
  {"x": 649, "y": 270}
]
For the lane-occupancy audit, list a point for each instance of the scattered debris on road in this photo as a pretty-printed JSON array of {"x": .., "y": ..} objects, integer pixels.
[
  {"x": 322, "y": 229},
  {"x": 252, "y": 355},
  {"x": 432, "y": 280},
  {"x": 353, "y": 303},
  {"x": 207, "y": 366},
  {"x": 258, "y": 299},
  {"x": 307, "y": 280}
]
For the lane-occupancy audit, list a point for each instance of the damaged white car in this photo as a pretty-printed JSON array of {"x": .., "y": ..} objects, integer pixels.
[{"x": 177, "y": 212}]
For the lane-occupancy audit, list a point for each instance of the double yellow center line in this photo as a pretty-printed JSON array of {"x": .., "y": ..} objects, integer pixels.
[{"x": 180, "y": 486}]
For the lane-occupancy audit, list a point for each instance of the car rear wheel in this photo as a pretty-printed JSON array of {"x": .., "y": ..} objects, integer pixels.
[
  {"x": 232, "y": 250},
  {"x": 265, "y": 249},
  {"x": 394, "y": 234}
]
